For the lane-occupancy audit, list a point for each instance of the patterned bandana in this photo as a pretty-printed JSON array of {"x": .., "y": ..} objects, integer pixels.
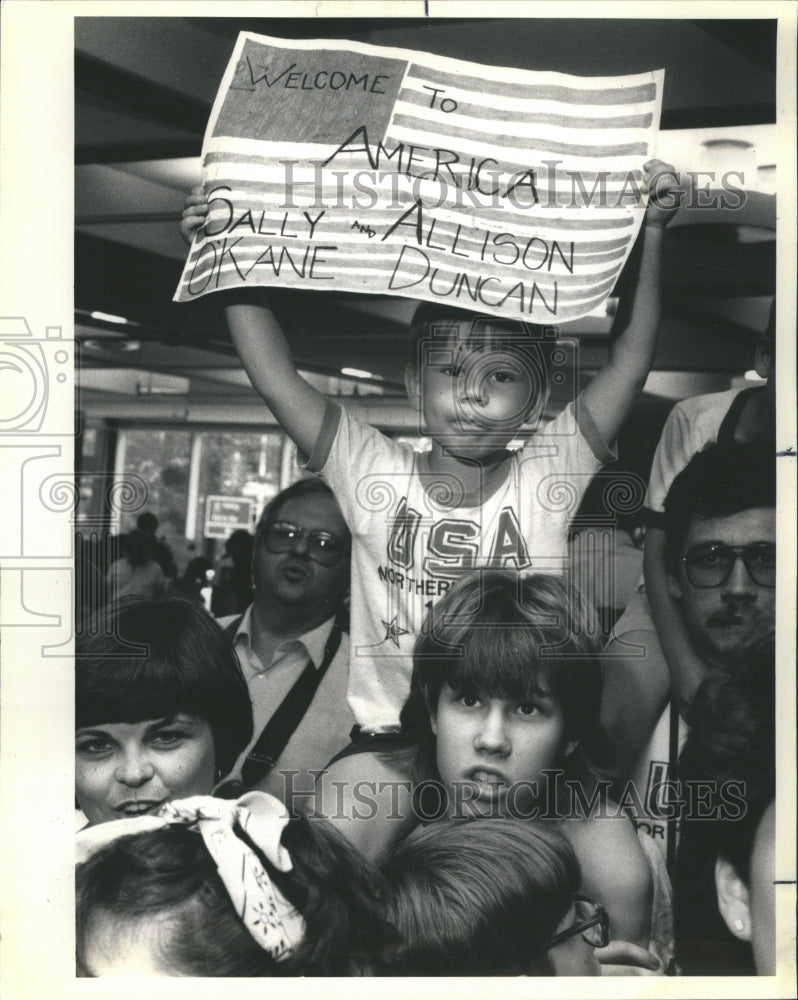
[{"x": 268, "y": 916}]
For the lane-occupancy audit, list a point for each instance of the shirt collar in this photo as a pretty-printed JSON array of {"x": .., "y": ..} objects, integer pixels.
[{"x": 314, "y": 641}]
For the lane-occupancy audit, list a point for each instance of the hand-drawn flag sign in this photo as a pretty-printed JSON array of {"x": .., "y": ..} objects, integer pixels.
[{"x": 357, "y": 168}]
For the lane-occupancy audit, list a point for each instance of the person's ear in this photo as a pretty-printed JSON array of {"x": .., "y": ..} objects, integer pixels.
[
  {"x": 733, "y": 901},
  {"x": 412, "y": 383},
  {"x": 674, "y": 587}
]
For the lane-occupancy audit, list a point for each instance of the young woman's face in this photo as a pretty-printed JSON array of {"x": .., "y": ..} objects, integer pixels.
[
  {"x": 489, "y": 750},
  {"x": 127, "y": 769}
]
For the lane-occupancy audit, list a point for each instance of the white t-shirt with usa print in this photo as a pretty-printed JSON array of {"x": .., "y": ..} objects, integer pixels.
[{"x": 411, "y": 540}]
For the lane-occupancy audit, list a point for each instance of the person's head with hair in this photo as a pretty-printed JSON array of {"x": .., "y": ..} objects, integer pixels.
[
  {"x": 506, "y": 683},
  {"x": 311, "y": 486},
  {"x": 486, "y": 898},
  {"x": 138, "y": 547},
  {"x": 724, "y": 885},
  {"x": 239, "y": 547},
  {"x": 148, "y": 523},
  {"x": 478, "y": 380},
  {"x": 300, "y": 561},
  {"x": 197, "y": 571},
  {"x": 720, "y": 537},
  {"x": 196, "y": 577},
  {"x": 221, "y": 888},
  {"x": 162, "y": 709}
]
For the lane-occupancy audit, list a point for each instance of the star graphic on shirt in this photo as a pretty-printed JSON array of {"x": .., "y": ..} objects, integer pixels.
[{"x": 393, "y": 631}]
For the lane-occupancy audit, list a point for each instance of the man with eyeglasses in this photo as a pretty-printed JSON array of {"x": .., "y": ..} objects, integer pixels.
[
  {"x": 720, "y": 549},
  {"x": 734, "y": 417},
  {"x": 720, "y": 540},
  {"x": 293, "y": 643}
]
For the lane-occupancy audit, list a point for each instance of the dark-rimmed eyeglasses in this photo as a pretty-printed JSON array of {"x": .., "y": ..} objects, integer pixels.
[
  {"x": 592, "y": 922},
  {"x": 711, "y": 564},
  {"x": 322, "y": 546}
]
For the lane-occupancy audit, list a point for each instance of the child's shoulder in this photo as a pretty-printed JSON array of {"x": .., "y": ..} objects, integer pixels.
[
  {"x": 358, "y": 440},
  {"x": 608, "y": 824},
  {"x": 368, "y": 797},
  {"x": 609, "y": 844},
  {"x": 356, "y": 429},
  {"x": 615, "y": 871}
]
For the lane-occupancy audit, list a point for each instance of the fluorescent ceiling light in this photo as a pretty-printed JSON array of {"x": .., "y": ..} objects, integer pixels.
[
  {"x": 108, "y": 344},
  {"x": 357, "y": 373},
  {"x": 108, "y": 317}
]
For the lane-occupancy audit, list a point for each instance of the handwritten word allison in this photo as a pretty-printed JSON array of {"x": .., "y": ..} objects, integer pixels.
[
  {"x": 533, "y": 253},
  {"x": 292, "y": 78}
]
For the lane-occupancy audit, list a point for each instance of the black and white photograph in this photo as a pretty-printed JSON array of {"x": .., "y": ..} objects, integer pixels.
[{"x": 398, "y": 448}]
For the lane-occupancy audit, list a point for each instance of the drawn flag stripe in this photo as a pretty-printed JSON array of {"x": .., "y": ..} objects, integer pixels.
[
  {"x": 645, "y": 92},
  {"x": 348, "y": 259},
  {"x": 559, "y": 119},
  {"x": 503, "y": 104},
  {"x": 536, "y": 143}
]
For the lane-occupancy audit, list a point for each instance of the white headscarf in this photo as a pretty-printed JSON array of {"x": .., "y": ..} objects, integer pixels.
[{"x": 268, "y": 916}]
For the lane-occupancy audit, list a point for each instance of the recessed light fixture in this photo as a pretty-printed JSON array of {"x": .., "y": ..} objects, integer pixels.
[
  {"x": 108, "y": 317},
  {"x": 108, "y": 344}
]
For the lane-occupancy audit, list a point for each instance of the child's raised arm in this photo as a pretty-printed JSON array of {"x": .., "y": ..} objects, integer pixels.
[
  {"x": 611, "y": 393},
  {"x": 687, "y": 669},
  {"x": 263, "y": 349}
]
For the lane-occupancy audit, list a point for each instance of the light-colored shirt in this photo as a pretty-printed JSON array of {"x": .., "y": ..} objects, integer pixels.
[
  {"x": 649, "y": 775},
  {"x": 323, "y": 730},
  {"x": 410, "y": 541},
  {"x": 692, "y": 424}
]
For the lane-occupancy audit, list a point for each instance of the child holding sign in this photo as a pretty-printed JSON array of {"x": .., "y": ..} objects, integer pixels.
[{"x": 419, "y": 521}]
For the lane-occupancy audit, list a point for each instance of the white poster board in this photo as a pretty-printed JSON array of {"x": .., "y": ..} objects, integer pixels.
[{"x": 351, "y": 167}]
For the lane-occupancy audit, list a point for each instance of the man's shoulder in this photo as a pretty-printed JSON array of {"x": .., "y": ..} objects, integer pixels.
[{"x": 706, "y": 407}]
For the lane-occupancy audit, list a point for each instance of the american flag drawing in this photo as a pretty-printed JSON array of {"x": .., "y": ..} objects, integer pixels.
[{"x": 336, "y": 165}]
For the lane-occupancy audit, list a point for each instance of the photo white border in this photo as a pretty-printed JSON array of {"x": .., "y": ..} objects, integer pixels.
[{"x": 36, "y": 268}]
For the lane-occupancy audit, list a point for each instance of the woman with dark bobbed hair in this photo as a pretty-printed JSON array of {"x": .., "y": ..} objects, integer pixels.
[{"x": 162, "y": 709}]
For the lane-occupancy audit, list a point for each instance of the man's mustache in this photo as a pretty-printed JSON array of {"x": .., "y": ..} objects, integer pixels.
[{"x": 735, "y": 614}]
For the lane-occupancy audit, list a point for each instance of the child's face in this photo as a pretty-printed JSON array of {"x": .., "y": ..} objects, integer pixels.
[
  {"x": 487, "y": 746},
  {"x": 474, "y": 398},
  {"x": 125, "y": 769}
]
